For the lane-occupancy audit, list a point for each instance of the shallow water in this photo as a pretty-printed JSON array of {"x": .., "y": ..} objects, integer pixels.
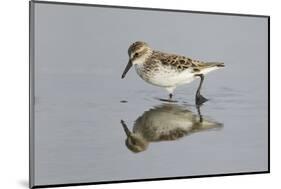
[
  {"x": 80, "y": 100},
  {"x": 80, "y": 137}
]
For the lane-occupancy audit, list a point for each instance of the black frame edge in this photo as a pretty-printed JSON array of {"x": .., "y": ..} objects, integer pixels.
[
  {"x": 268, "y": 54},
  {"x": 148, "y": 8},
  {"x": 31, "y": 94},
  {"x": 148, "y": 180}
]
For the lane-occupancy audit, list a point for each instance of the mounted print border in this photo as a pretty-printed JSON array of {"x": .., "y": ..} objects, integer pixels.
[{"x": 32, "y": 81}]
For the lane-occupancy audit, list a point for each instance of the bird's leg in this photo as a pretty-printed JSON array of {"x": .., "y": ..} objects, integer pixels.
[
  {"x": 199, "y": 113},
  {"x": 199, "y": 99},
  {"x": 170, "y": 96}
]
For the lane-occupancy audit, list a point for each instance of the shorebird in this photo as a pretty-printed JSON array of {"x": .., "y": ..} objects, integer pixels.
[
  {"x": 166, "y": 122},
  {"x": 168, "y": 70}
]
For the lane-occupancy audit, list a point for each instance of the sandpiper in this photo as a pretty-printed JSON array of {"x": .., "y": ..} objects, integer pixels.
[
  {"x": 166, "y": 122},
  {"x": 168, "y": 70}
]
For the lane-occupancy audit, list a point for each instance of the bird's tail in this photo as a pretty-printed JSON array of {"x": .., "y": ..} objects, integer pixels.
[
  {"x": 214, "y": 64},
  {"x": 210, "y": 66}
]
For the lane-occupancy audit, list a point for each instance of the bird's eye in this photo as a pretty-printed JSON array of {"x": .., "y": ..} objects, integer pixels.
[{"x": 136, "y": 54}]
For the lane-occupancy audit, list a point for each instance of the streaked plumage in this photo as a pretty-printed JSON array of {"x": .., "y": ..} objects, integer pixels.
[
  {"x": 164, "y": 69},
  {"x": 164, "y": 123}
]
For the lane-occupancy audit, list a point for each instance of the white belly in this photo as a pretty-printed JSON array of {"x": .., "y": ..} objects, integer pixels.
[{"x": 165, "y": 77}]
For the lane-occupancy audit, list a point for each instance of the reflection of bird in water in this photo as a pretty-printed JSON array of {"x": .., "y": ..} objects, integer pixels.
[{"x": 165, "y": 123}]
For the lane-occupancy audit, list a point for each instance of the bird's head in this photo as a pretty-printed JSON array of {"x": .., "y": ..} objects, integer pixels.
[
  {"x": 134, "y": 141},
  {"x": 138, "y": 53}
]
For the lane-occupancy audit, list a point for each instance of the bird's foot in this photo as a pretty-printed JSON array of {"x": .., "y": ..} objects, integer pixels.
[
  {"x": 199, "y": 99},
  {"x": 167, "y": 100}
]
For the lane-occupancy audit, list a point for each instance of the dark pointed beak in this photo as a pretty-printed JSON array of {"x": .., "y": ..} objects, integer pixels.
[
  {"x": 129, "y": 65},
  {"x": 127, "y": 131}
]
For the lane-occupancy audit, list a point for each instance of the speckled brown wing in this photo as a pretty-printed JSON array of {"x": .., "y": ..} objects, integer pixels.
[
  {"x": 177, "y": 62},
  {"x": 182, "y": 63}
]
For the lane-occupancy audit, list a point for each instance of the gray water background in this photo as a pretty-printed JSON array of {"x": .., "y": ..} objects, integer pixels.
[{"x": 80, "y": 53}]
